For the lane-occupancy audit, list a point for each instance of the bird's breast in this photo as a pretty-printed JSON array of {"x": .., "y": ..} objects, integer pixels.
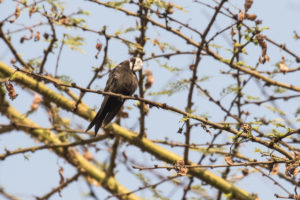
[{"x": 127, "y": 84}]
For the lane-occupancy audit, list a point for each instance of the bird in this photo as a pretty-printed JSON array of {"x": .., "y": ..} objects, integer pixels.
[{"x": 122, "y": 80}]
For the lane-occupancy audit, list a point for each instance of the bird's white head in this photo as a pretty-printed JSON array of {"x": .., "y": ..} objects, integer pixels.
[{"x": 135, "y": 64}]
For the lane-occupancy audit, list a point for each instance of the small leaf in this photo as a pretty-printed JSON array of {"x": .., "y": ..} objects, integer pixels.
[
  {"x": 149, "y": 79},
  {"x": 37, "y": 99},
  {"x": 277, "y": 124},
  {"x": 184, "y": 119},
  {"x": 258, "y": 150},
  {"x": 275, "y": 110},
  {"x": 228, "y": 160},
  {"x": 74, "y": 42},
  {"x": 248, "y": 4},
  {"x": 180, "y": 167},
  {"x": 164, "y": 92},
  {"x": 11, "y": 90},
  {"x": 252, "y": 98},
  {"x": 275, "y": 169}
]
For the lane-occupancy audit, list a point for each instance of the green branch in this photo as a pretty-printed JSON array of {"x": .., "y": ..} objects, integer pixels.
[
  {"x": 73, "y": 157},
  {"x": 170, "y": 157},
  {"x": 144, "y": 144},
  {"x": 47, "y": 93},
  {"x": 87, "y": 113}
]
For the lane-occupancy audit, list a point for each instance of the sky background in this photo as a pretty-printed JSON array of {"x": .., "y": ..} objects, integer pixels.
[{"x": 37, "y": 174}]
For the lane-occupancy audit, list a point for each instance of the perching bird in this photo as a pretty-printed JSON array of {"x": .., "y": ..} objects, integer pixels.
[{"x": 122, "y": 80}]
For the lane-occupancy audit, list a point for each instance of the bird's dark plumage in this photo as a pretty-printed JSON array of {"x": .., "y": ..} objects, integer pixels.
[{"x": 122, "y": 80}]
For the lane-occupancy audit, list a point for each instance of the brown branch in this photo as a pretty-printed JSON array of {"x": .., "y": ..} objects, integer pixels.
[
  {"x": 25, "y": 5},
  {"x": 60, "y": 187},
  {"x": 214, "y": 166},
  {"x": 272, "y": 98},
  {"x": 6, "y": 195},
  {"x": 194, "y": 78},
  {"x": 142, "y": 14},
  {"x": 186, "y": 114},
  {"x": 102, "y": 32},
  {"x": 168, "y": 55},
  {"x": 191, "y": 146},
  {"x": 5, "y": 129},
  {"x": 220, "y": 32},
  {"x": 58, "y": 56},
  {"x": 217, "y": 102},
  {"x": 112, "y": 163},
  {"x": 26, "y": 28},
  {"x": 283, "y": 47},
  {"x": 18, "y": 126},
  {"x": 254, "y": 73},
  {"x": 50, "y": 47},
  {"x": 144, "y": 187},
  {"x": 272, "y": 179},
  {"x": 127, "y": 12},
  {"x": 49, "y": 146},
  {"x": 13, "y": 50},
  {"x": 289, "y": 133},
  {"x": 234, "y": 17},
  {"x": 97, "y": 71},
  {"x": 167, "y": 17},
  {"x": 250, "y": 71}
]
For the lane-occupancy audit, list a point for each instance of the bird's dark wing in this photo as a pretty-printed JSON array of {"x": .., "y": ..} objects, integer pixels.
[
  {"x": 121, "y": 80},
  {"x": 112, "y": 79},
  {"x": 110, "y": 105},
  {"x": 113, "y": 106},
  {"x": 97, "y": 121},
  {"x": 114, "y": 84}
]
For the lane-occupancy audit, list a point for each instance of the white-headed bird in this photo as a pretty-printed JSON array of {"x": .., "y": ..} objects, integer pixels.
[{"x": 122, "y": 80}]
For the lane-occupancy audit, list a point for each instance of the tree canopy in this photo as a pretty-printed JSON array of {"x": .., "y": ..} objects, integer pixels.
[{"x": 215, "y": 115}]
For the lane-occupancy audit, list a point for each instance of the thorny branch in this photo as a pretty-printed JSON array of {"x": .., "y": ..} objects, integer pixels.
[
  {"x": 162, "y": 16},
  {"x": 166, "y": 107},
  {"x": 50, "y": 47},
  {"x": 34, "y": 149},
  {"x": 60, "y": 187}
]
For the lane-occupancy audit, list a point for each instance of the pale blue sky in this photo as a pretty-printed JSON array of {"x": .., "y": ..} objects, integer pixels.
[{"x": 38, "y": 174}]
